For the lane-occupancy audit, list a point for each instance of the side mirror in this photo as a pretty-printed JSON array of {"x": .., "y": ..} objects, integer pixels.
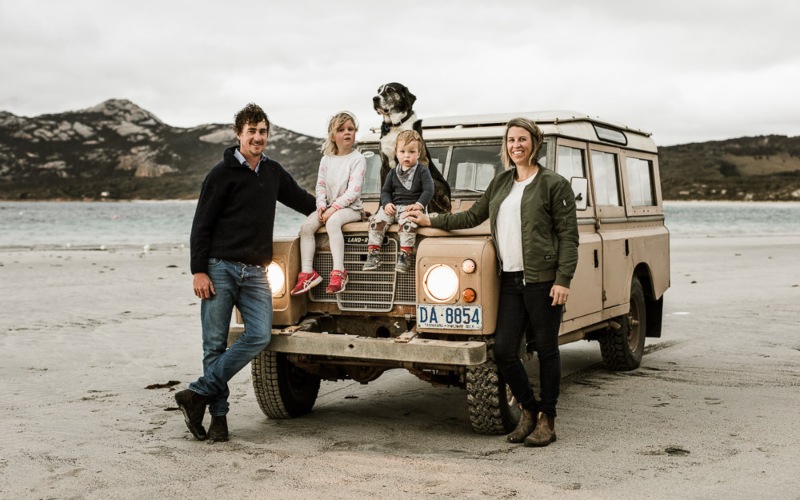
[{"x": 580, "y": 186}]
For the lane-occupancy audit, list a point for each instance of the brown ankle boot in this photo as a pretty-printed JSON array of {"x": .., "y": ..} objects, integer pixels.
[
  {"x": 545, "y": 432},
  {"x": 525, "y": 426}
]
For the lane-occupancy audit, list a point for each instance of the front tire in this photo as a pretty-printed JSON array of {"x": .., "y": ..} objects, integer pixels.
[
  {"x": 622, "y": 349},
  {"x": 282, "y": 389},
  {"x": 492, "y": 407}
]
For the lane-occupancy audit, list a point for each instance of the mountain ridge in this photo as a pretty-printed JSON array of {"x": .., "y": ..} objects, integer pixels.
[{"x": 117, "y": 150}]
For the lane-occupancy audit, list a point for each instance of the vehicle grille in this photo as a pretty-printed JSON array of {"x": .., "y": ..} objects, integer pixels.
[{"x": 372, "y": 291}]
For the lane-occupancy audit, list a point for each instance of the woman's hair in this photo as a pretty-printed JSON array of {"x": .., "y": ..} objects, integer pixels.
[
  {"x": 536, "y": 139},
  {"x": 408, "y": 136},
  {"x": 339, "y": 119},
  {"x": 250, "y": 114}
]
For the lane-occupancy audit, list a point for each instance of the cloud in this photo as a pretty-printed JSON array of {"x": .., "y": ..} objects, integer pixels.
[{"x": 687, "y": 71}]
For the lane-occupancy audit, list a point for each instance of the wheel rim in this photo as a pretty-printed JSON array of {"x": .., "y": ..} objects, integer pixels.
[
  {"x": 299, "y": 380},
  {"x": 634, "y": 329}
]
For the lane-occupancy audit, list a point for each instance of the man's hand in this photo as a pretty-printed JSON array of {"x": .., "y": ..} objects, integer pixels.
[
  {"x": 203, "y": 287},
  {"x": 418, "y": 217}
]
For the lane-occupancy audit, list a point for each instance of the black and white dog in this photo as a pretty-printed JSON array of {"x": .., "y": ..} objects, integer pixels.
[{"x": 394, "y": 103}]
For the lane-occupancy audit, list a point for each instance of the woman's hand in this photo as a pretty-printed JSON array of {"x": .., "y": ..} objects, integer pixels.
[
  {"x": 418, "y": 217},
  {"x": 559, "y": 294}
]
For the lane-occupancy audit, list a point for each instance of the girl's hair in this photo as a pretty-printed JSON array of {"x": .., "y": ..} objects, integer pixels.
[
  {"x": 410, "y": 136},
  {"x": 536, "y": 138},
  {"x": 339, "y": 119}
]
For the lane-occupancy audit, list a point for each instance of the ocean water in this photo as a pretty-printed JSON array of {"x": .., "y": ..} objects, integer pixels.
[{"x": 106, "y": 225}]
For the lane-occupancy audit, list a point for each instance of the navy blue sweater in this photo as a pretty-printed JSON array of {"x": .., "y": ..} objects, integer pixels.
[
  {"x": 235, "y": 213},
  {"x": 421, "y": 188}
]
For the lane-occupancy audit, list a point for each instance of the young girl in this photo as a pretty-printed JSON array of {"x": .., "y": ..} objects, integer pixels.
[{"x": 341, "y": 173}]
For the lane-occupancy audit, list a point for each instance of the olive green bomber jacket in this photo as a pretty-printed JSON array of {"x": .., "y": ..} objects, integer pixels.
[{"x": 549, "y": 223}]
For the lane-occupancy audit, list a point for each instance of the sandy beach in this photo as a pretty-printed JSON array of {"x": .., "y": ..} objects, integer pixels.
[{"x": 93, "y": 342}]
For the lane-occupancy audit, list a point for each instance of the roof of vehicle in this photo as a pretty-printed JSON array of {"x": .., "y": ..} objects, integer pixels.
[{"x": 561, "y": 123}]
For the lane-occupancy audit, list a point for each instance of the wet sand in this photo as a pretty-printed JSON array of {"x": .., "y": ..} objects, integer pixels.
[{"x": 712, "y": 412}]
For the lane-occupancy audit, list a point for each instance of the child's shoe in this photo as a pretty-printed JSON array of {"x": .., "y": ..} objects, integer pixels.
[
  {"x": 402, "y": 262},
  {"x": 373, "y": 261},
  {"x": 338, "y": 282},
  {"x": 305, "y": 282}
]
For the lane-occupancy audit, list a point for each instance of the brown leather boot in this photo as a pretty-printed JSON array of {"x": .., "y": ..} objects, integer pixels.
[
  {"x": 193, "y": 406},
  {"x": 545, "y": 432},
  {"x": 525, "y": 426},
  {"x": 218, "y": 430}
]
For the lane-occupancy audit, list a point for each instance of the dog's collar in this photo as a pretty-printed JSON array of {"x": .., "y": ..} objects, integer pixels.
[
  {"x": 387, "y": 126},
  {"x": 405, "y": 118}
]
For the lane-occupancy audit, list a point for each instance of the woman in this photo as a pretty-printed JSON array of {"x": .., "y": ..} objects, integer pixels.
[{"x": 532, "y": 214}]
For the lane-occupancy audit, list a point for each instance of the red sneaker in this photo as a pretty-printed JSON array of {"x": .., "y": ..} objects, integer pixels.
[
  {"x": 338, "y": 282},
  {"x": 305, "y": 282}
]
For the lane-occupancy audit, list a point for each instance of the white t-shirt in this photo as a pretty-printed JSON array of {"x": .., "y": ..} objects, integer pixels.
[{"x": 509, "y": 227}]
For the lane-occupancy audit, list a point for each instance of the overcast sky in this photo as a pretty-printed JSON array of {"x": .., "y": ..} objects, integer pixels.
[{"x": 687, "y": 71}]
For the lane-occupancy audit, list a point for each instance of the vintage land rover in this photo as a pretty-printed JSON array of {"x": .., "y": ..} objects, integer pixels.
[{"x": 438, "y": 321}]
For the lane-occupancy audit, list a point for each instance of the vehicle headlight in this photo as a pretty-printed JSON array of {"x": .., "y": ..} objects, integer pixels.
[
  {"x": 277, "y": 279},
  {"x": 440, "y": 283}
]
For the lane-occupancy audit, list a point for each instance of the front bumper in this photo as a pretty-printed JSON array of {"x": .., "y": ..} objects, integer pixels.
[{"x": 406, "y": 348}]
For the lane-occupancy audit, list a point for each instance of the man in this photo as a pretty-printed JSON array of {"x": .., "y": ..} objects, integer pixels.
[{"x": 231, "y": 247}]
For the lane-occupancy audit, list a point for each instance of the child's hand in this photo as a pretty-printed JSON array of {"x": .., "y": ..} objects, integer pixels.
[
  {"x": 327, "y": 215},
  {"x": 320, "y": 211},
  {"x": 390, "y": 209}
]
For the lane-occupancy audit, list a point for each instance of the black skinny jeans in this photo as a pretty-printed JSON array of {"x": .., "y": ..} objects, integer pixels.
[{"x": 521, "y": 304}]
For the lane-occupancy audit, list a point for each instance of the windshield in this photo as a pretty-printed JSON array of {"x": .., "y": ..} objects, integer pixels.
[
  {"x": 470, "y": 168},
  {"x": 372, "y": 178}
]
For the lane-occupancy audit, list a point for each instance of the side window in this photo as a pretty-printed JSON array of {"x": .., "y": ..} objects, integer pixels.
[
  {"x": 570, "y": 162},
  {"x": 606, "y": 184},
  {"x": 472, "y": 168},
  {"x": 640, "y": 176}
]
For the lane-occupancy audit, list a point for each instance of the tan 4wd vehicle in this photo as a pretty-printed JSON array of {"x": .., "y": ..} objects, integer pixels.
[{"x": 438, "y": 322}]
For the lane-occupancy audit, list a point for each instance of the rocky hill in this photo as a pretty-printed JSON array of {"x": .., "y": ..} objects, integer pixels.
[
  {"x": 116, "y": 150},
  {"x": 748, "y": 168}
]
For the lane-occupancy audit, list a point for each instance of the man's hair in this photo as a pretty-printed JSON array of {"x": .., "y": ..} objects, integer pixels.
[
  {"x": 339, "y": 119},
  {"x": 252, "y": 113},
  {"x": 536, "y": 138},
  {"x": 408, "y": 136}
]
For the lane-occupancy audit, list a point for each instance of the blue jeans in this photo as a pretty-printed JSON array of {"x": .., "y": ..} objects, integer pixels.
[
  {"x": 247, "y": 288},
  {"x": 521, "y": 305}
]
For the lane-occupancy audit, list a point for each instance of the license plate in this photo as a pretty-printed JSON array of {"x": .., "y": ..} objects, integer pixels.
[{"x": 449, "y": 317}]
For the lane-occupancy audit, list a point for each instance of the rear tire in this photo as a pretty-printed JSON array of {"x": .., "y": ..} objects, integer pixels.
[
  {"x": 492, "y": 407},
  {"x": 282, "y": 389},
  {"x": 622, "y": 349}
]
